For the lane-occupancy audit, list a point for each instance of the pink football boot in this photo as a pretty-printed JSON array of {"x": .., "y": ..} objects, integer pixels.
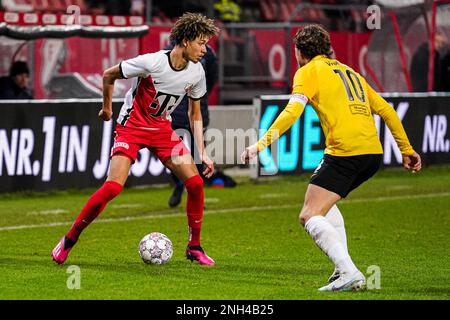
[
  {"x": 60, "y": 253},
  {"x": 197, "y": 253}
]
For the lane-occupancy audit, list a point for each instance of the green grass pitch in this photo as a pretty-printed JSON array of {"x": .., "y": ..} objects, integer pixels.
[{"x": 397, "y": 222}]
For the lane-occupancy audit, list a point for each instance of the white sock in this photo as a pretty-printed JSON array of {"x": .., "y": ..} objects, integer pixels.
[
  {"x": 334, "y": 217},
  {"x": 329, "y": 240}
]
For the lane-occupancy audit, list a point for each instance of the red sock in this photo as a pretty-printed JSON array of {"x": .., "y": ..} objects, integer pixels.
[
  {"x": 96, "y": 203},
  {"x": 194, "y": 208}
]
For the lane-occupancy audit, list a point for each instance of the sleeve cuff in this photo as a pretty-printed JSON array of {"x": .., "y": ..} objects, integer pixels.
[
  {"x": 196, "y": 99},
  {"x": 408, "y": 152},
  {"x": 121, "y": 71}
]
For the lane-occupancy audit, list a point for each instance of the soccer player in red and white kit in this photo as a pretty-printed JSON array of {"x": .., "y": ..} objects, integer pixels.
[{"x": 160, "y": 81}]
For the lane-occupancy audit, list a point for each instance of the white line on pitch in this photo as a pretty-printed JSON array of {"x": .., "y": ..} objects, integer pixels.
[
  {"x": 399, "y": 187},
  {"x": 160, "y": 215},
  {"x": 125, "y": 206},
  {"x": 393, "y": 198},
  {"x": 212, "y": 200},
  {"x": 272, "y": 195},
  {"x": 47, "y": 212}
]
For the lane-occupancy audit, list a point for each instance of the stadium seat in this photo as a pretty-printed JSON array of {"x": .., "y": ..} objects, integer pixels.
[
  {"x": 18, "y": 5},
  {"x": 57, "y": 6},
  {"x": 321, "y": 15},
  {"x": 267, "y": 12},
  {"x": 79, "y": 3},
  {"x": 306, "y": 14},
  {"x": 358, "y": 18},
  {"x": 40, "y": 5},
  {"x": 292, "y": 5},
  {"x": 313, "y": 14},
  {"x": 285, "y": 13}
]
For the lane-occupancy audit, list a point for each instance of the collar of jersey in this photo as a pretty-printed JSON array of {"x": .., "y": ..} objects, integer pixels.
[
  {"x": 319, "y": 57},
  {"x": 170, "y": 63}
]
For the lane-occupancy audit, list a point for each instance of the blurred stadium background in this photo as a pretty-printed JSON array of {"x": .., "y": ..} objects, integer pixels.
[{"x": 55, "y": 141}]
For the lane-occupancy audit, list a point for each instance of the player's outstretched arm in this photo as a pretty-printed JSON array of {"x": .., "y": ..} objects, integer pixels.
[
  {"x": 283, "y": 122},
  {"x": 109, "y": 77},
  {"x": 196, "y": 123}
]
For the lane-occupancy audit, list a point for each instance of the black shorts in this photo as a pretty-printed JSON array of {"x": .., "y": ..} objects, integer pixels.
[{"x": 343, "y": 174}]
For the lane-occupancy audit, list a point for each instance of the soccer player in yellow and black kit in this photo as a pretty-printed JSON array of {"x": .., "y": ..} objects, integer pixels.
[{"x": 344, "y": 102}]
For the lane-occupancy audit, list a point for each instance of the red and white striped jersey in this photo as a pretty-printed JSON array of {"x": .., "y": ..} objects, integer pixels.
[{"x": 157, "y": 89}]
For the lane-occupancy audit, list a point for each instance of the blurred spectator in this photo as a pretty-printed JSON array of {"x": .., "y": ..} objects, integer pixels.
[
  {"x": 96, "y": 7},
  {"x": 110, "y": 7},
  {"x": 228, "y": 11},
  {"x": 15, "y": 86},
  {"x": 445, "y": 65},
  {"x": 200, "y": 6},
  {"x": 118, "y": 7},
  {"x": 137, "y": 7},
  {"x": 169, "y": 8},
  {"x": 419, "y": 65}
]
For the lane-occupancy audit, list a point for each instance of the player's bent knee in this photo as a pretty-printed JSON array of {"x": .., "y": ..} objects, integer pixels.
[
  {"x": 112, "y": 189},
  {"x": 194, "y": 184}
]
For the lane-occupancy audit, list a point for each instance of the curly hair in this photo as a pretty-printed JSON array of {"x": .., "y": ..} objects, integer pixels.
[
  {"x": 313, "y": 40},
  {"x": 192, "y": 25}
]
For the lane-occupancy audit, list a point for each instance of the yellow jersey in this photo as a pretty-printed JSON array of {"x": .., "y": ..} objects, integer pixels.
[{"x": 345, "y": 104}]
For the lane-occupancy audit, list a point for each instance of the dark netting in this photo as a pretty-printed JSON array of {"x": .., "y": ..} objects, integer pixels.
[
  {"x": 443, "y": 24},
  {"x": 60, "y": 57},
  {"x": 253, "y": 64},
  {"x": 384, "y": 56},
  {"x": 10, "y": 50}
]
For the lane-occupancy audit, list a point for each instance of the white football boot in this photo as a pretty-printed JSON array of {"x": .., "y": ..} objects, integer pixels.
[{"x": 353, "y": 282}]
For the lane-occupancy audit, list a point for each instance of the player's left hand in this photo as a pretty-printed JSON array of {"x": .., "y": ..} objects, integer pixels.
[
  {"x": 249, "y": 153},
  {"x": 209, "y": 164}
]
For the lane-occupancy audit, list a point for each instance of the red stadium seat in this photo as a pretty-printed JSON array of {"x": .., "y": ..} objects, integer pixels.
[
  {"x": 284, "y": 10},
  {"x": 79, "y": 3},
  {"x": 316, "y": 15},
  {"x": 20, "y": 3},
  {"x": 57, "y": 6},
  {"x": 357, "y": 16},
  {"x": 291, "y": 4},
  {"x": 40, "y": 5},
  {"x": 18, "y": 6},
  {"x": 267, "y": 10}
]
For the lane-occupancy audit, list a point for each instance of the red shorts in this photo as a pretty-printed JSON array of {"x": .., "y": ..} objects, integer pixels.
[{"x": 162, "y": 142}]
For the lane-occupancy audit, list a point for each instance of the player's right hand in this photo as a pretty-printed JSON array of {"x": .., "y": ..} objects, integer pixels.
[
  {"x": 105, "y": 114},
  {"x": 412, "y": 162},
  {"x": 209, "y": 166},
  {"x": 249, "y": 153}
]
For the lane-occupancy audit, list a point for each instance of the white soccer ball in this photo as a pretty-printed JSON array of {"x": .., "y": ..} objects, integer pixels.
[{"x": 155, "y": 248}]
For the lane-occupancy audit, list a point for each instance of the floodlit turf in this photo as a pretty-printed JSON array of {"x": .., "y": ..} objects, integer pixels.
[{"x": 397, "y": 222}]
